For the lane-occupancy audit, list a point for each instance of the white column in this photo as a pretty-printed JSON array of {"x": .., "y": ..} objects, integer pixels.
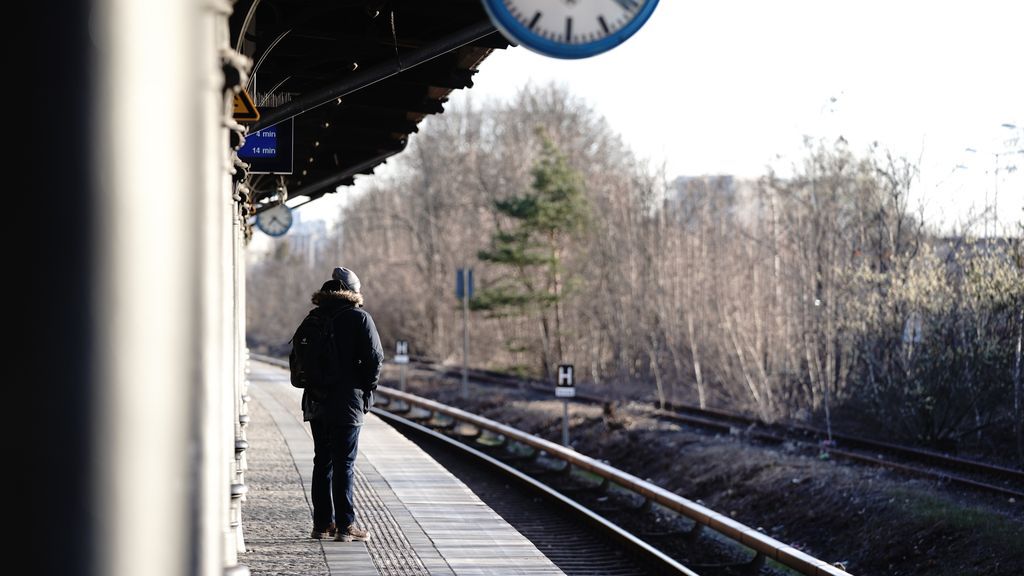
[
  {"x": 239, "y": 353},
  {"x": 161, "y": 214}
]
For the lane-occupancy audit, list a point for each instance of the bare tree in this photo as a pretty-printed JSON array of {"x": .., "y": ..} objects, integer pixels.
[{"x": 812, "y": 296}]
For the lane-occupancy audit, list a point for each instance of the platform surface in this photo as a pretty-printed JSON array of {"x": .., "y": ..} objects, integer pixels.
[{"x": 422, "y": 519}]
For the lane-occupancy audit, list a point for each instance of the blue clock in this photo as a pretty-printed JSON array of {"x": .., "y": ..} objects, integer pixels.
[
  {"x": 275, "y": 221},
  {"x": 569, "y": 28}
]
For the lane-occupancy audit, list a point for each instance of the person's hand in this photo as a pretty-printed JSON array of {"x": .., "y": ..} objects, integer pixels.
[{"x": 367, "y": 400}]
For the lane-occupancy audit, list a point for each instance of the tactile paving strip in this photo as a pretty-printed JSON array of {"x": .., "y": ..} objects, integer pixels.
[{"x": 391, "y": 551}]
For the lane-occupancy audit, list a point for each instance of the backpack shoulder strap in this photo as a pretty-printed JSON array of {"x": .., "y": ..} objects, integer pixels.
[{"x": 312, "y": 312}]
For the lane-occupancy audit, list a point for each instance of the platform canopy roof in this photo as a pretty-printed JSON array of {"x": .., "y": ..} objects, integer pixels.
[{"x": 357, "y": 76}]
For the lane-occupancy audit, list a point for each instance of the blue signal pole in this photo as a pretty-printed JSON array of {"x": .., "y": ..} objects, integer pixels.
[{"x": 464, "y": 290}]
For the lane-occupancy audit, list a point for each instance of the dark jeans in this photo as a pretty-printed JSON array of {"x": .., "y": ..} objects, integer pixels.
[{"x": 333, "y": 445}]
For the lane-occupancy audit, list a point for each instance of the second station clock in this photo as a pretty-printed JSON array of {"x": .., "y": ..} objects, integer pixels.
[{"x": 569, "y": 28}]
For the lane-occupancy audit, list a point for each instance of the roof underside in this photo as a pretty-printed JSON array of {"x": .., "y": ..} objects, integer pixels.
[{"x": 349, "y": 71}]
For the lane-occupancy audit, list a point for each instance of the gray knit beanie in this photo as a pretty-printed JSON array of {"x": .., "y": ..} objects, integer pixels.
[{"x": 348, "y": 279}]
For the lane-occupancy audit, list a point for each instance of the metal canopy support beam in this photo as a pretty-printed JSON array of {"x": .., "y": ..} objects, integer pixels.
[{"x": 375, "y": 74}]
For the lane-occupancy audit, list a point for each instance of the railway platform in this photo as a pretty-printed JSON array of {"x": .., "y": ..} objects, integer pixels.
[{"x": 422, "y": 519}]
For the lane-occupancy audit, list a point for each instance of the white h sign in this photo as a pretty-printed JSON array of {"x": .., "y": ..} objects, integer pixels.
[
  {"x": 566, "y": 387},
  {"x": 402, "y": 352}
]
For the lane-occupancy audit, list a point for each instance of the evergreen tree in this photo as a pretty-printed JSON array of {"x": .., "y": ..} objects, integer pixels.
[{"x": 532, "y": 244}]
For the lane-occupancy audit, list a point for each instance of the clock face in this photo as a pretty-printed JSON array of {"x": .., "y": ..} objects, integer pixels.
[
  {"x": 275, "y": 221},
  {"x": 569, "y": 28}
]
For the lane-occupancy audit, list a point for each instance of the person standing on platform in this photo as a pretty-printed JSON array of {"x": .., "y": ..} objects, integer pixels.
[{"x": 336, "y": 430}]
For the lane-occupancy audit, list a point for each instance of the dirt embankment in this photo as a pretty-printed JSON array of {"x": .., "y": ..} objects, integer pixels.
[{"x": 873, "y": 521}]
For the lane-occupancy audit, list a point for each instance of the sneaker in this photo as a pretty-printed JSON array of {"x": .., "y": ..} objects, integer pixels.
[
  {"x": 352, "y": 533},
  {"x": 328, "y": 532}
]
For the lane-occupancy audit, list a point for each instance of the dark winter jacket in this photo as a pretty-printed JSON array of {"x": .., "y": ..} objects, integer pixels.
[{"x": 361, "y": 357}]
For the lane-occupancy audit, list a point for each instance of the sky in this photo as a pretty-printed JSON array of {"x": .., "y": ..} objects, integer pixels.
[{"x": 734, "y": 86}]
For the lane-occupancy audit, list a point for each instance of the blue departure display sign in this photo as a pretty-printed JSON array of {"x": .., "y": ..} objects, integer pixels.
[{"x": 269, "y": 151}]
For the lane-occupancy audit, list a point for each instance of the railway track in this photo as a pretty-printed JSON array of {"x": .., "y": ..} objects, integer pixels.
[
  {"x": 569, "y": 539},
  {"x": 943, "y": 468},
  {"x": 661, "y": 532}
]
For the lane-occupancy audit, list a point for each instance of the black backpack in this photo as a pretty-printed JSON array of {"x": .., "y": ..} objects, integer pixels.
[{"x": 314, "y": 361}]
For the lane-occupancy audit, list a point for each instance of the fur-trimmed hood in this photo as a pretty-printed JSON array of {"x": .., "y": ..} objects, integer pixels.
[{"x": 329, "y": 297}]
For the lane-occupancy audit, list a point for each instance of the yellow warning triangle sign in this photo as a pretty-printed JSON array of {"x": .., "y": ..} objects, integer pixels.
[{"x": 245, "y": 110}]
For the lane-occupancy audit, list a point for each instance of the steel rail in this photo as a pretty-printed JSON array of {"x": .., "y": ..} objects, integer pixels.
[
  {"x": 762, "y": 544},
  {"x": 641, "y": 547},
  {"x": 922, "y": 472},
  {"x": 910, "y": 452},
  {"x": 940, "y": 475},
  {"x": 723, "y": 421}
]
